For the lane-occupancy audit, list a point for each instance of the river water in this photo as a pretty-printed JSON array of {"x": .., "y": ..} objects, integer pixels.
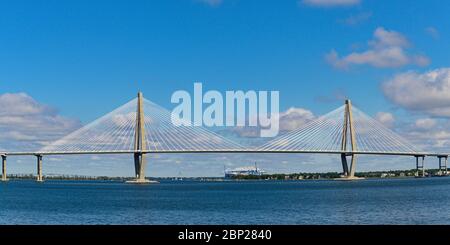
[{"x": 376, "y": 201}]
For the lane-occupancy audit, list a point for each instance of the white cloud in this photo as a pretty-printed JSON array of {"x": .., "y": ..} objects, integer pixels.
[
  {"x": 26, "y": 124},
  {"x": 387, "y": 49},
  {"x": 430, "y": 134},
  {"x": 385, "y": 38},
  {"x": 386, "y": 118},
  {"x": 121, "y": 119},
  {"x": 294, "y": 118},
  {"x": 330, "y": 3},
  {"x": 427, "y": 92},
  {"x": 20, "y": 104},
  {"x": 425, "y": 123},
  {"x": 291, "y": 119}
]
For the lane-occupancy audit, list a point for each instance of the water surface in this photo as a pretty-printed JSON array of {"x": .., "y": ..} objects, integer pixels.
[{"x": 381, "y": 201}]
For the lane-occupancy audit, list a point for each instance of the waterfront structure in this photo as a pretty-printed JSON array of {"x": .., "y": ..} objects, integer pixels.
[
  {"x": 141, "y": 127},
  {"x": 243, "y": 171}
]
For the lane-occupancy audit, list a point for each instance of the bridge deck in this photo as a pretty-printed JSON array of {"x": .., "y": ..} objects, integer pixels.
[{"x": 228, "y": 151}]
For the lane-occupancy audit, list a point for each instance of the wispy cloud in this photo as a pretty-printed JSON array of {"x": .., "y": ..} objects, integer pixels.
[
  {"x": 388, "y": 49},
  {"x": 212, "y": 3},
  {"x": 385, "y": 118},
  {"x": 336, "y": 96},
  {"x": 330, "y": 3},
  {"x": 357, "y": 19},
  {"x": 433, "y": 32}
]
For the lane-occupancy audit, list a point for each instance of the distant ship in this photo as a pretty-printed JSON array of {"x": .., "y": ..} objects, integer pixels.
[{"x": 243, "y": 171}]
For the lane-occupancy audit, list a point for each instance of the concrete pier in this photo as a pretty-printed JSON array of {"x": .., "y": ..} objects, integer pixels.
[
  {"x": 39, "y": 168},
  {"x": 344, "y": 164},
  {"x": 139, "y": 164},
  {"x": 443, "y": 165},
  {"x": 420, "y": 166},
  {"x": 4, "y": 176}
]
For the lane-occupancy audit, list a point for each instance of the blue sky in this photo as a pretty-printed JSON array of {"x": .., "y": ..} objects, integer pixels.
[{"x": 85, "y": 58}]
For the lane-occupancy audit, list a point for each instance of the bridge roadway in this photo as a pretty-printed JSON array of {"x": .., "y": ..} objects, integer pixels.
[
  {"x": 420, "y": 164},
  {"x": 416, "y": 154}
]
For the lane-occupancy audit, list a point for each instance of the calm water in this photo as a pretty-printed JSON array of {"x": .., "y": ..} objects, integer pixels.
[{"x": 401, "y": 201}]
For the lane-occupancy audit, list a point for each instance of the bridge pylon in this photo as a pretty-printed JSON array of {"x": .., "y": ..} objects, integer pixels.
[
  {"x": 140, "y": 144},
  {"x": 348, "y": 131}
]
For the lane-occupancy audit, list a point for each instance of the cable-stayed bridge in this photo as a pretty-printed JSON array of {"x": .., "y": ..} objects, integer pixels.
[{"x": 142, "y": 127}]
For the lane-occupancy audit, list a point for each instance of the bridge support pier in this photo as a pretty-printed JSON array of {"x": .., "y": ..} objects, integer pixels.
[
  {"x": 139, "y": 168},
  {"x": 39, "y": 168},
  {"x": 443, "y": 166},
  {"x": 420, "y": 166},
  {"x": 4, "y": 177},
  {"x": 352, "y": 167},
  {"x": 349, "y": 173},
  {"x": 344, "y": 164}
]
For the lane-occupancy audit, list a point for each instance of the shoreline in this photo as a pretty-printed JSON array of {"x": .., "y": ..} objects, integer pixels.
[{"x": 393, "y": 174}]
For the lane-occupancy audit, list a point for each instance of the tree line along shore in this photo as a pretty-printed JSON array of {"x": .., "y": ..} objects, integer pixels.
[{"x": 293, "y": 176}]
